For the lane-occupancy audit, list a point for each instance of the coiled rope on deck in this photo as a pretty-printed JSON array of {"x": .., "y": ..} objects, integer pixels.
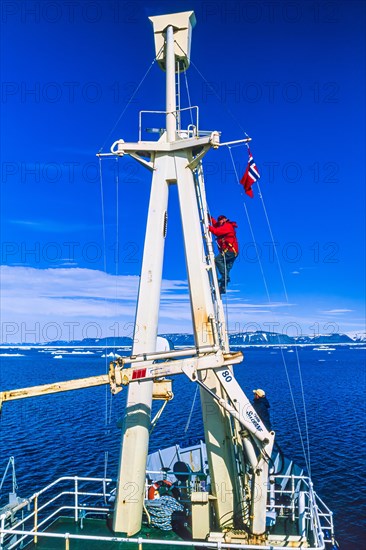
[{"x": 161, "y": 510}]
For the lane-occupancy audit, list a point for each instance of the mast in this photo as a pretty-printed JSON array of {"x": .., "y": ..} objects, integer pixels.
[
  {"x": 171, "y": 117},
  {"x": 173, "y": 32},
  {"x": 175, "y": 159}
]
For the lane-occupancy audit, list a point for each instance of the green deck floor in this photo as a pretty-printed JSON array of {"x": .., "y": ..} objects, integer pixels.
[{"x": 99, "y": 528}]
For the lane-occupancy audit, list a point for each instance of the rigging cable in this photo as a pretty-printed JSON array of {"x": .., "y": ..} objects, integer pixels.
[
  {"x": 131, "y": 99},
  {"x": 213, "y": 90},
  {"x": 189, "y": 97},
  {"x": 296, "y": 350},
  {"x": 251, "y": 231},
  {"x": 226, "y": 304},
  {"x": 192, "y": 407},
  {"x": 154, "y": 421},
  {"x": 191, "y": 115},
  {"x": 108, "y": 406},
  {"x": 307, "y": 458},
  {"x": 264, "y": 279},
  {"x": 116, "y": 254}
]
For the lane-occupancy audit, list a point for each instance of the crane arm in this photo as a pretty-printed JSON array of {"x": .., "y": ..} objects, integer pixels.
[
  {"x": 55, "y": 387},
  {"x": 120, "y": 376}
]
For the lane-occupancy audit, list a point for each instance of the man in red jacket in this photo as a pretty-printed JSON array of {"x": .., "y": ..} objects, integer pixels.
[{"x": 224, "y": 231}]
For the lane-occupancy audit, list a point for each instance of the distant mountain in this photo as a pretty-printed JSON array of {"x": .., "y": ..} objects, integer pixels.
[
  {"x": 359, "y": 337},
  {"x": 184, "y": 340},
  {"x": 109, "y": 341},
  {"x": 257, "y": 338},
  {"x": 261, "y": 338},
  {"x": 331, "y": 339}
]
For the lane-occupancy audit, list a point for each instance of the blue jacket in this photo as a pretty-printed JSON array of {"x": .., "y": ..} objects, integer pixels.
[{"x": 261, "y": 407}]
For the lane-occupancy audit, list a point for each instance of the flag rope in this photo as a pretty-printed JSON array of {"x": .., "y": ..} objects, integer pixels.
[
  {"x": 107, "y": 405},
  {"x": 287, "y": 301},
  {"x": 306, "y": 453}
]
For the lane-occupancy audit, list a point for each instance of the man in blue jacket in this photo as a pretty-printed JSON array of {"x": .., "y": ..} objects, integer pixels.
[{"x": 261, "y": 407}]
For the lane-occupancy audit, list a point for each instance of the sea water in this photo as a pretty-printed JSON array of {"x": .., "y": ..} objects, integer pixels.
[{"x": 317, "y": 402}]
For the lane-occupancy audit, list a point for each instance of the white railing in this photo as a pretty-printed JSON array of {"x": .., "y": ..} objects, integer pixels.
[
  {"x": 40, "y": 515},
  {"x": 192, "y": 129},
  {"x": 82, "y": 502}
]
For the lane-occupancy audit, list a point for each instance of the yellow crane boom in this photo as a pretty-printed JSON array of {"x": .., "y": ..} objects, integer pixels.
[{"x": 55, "y": 387}]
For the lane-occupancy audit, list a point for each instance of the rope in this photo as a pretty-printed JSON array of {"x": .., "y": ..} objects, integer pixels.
[
  {"x": 105, "y": 477},
  {"x": 305, "y": 409},
  {"x": 295, "y": 410},
  {"x": 130, "y": 100},
  {"x": 116, "y": 258},
  {"x": 102, "y": 213},
  {"x": 296, "y": 351},
  {"x": 157, "y": 416},
  {"x": 306, "y": 458},
  {"x": 214, "y": 91},
  {"x": 190, "y": 414},
  {"x": 108, "y": 397},
  {"x": 225, "y": 280},
  {"x": 161, "y": 510},
  {"x": 189, "y": 97},
  {"x": 273, "y": 242},
  {"x": 251, "y": 229}
]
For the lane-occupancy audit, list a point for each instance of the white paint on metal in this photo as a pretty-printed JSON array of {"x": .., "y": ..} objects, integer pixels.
[
  {"x": 183, "y": 24},
  {"x": 171, "y": 114},
  {"x": 135, "y": 439},
  {"x": 218, "y": 433}
]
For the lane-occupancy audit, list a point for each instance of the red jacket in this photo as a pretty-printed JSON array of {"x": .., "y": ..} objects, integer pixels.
[{"x": 225, "y": 236}]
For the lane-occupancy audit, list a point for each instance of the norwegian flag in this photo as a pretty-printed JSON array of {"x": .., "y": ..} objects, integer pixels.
[{"x": 251, "y": 175}]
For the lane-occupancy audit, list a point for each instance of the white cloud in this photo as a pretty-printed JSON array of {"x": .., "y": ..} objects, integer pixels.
[
  {"x": 271, "y": 305},
  {"x": 72, "y": 303},
  {"x": 42, "y": 304},
  {"x": 336, "y": 311}
]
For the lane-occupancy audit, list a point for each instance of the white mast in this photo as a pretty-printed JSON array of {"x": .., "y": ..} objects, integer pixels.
[
  {"x": 171, "y": 116},
  {"x": 135, "y": 439},
  {"x": 173, "y": 160}
]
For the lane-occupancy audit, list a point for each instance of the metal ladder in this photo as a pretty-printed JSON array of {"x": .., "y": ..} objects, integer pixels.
[
  {"x": 177, "y": 97},
  {"x": 219, "y": 319}
]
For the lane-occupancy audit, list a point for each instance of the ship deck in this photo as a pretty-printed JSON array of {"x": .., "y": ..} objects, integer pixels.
[
  {"x": 99, "y": 533},
  {"x": 74, "y": 513}
]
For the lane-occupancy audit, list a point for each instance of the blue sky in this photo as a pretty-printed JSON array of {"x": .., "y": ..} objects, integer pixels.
[{"x": 290, "y": 74}]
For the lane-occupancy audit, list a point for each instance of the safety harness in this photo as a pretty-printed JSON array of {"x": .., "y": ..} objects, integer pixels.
[{"x": 230, "y": 248}]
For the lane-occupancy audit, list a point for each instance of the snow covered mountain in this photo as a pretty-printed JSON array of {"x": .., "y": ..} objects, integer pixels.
[
  {"x": 268, "y": 338},
  {"x": 359, "y": 337},
  {"x": 260, "y": 338}
]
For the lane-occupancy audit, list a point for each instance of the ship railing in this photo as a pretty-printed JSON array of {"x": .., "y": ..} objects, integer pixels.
[
  {"x": 80, "y": 501},
  {"x": 192, "y": 125},
  {"x": 142, "y": 543},
  {"x": 311, "y": 511},
  {"x": 325, "y": 518},
  {"x": 44, "y": 509}
]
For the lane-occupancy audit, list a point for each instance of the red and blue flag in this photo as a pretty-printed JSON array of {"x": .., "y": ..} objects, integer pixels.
[{"x": 251, "y": 175}]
